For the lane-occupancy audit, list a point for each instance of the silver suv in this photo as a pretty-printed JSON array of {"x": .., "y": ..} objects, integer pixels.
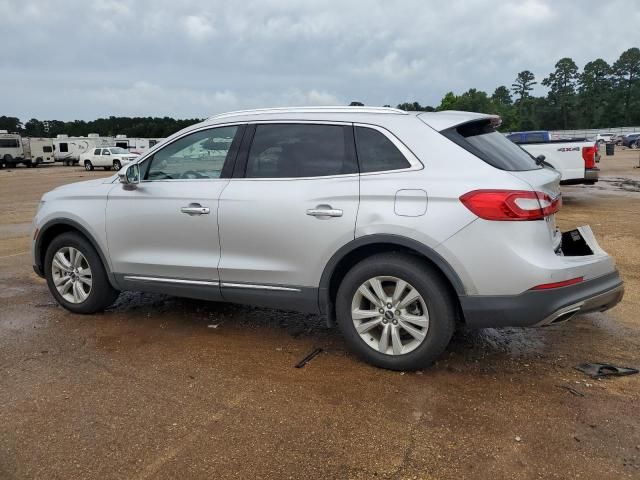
[{"x": 397, "y": 225}]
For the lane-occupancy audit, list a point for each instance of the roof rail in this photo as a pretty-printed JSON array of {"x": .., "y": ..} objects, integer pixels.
[{"x": 335, "y": 109}]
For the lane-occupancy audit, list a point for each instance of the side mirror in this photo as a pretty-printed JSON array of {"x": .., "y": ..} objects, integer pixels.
[{"x": 130, "y": 175}]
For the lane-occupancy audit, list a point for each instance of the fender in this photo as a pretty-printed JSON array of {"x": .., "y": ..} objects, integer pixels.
[
  {"x": 39, "y": 268},
  {"x": 427, "y": 252}
]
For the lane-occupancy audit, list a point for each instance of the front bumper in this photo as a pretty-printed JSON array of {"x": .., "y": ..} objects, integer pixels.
[{"x": 543, "y": 307}]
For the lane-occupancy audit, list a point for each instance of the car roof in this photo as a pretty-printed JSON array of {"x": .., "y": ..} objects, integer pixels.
[{"x": 375, "y": 115}]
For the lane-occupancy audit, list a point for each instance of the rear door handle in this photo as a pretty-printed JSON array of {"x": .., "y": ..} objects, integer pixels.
[
  {"x": 324, "y": 211},
  {"x": 195, "y": 209}
]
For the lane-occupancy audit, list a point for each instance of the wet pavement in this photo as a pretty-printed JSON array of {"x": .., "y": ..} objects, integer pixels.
[{"x": 161, "y": 387}]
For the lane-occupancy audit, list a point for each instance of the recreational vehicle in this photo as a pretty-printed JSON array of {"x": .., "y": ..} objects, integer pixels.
[
  {"x": 31, "y": 151},
  {"x": 69, "y": 149},
  {"x": 136, "y": 145}
]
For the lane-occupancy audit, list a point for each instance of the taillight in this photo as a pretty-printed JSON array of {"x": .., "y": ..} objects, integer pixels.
[
  {"x": 506, "y": 205},
  {"x": 589, "y": 156}
]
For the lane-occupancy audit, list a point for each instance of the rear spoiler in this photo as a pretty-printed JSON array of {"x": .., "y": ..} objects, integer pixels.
[{"x": 452, "y": 118}]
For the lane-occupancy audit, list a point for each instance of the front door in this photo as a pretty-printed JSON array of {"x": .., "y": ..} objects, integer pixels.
[{"x": 165, "y": 231}]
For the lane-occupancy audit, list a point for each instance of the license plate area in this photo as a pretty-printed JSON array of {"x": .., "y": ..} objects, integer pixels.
[{"x": 574, "y": 244}]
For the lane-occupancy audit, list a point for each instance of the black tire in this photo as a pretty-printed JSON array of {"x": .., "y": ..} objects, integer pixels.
[
  {"x": 117, "y": 165},
  {"x": 429, "y": 284},
  {"x": 88, "y": 166},
  {"x": 633, "y": 145},
  {"x": 102, "y": 294}
]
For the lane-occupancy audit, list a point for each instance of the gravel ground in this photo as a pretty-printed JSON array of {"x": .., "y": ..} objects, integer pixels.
[{"x": 161, "y": 387}]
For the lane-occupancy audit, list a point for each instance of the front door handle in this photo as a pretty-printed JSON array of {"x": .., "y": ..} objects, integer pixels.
[
  {"x": 324, "y": 211},
  {"x": 195, "y": 209}
]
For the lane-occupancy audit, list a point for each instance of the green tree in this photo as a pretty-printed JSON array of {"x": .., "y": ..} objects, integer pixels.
[
  {"x": 502, "y": 104},
  {"x": 10, "y": 124},
  {"x": 501, "y": 96},
  {"x": 594, "y": 90},
  {"x": 523, "y": 84},
  {"x": 562, "y": 87},
  {"x": 414, "y": 107},
  {"x": 34, "y": 128},
  {"x": 627, "y": 75},
  {"x": 448, "y": 102}
]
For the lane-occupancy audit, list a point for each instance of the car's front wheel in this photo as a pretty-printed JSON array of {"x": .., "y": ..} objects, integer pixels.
[
  {"x": 75, "y": 275},
  {"x": 395, "y": 311}
]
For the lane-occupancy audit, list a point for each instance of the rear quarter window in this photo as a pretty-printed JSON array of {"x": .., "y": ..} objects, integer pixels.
[
  {"x": 376, "y": 153},
  {"x": 481, "y": 139}
]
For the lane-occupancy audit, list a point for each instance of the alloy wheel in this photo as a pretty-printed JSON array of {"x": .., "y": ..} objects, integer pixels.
[
  {"x": 71, "y": 274},
  {"x": 390, "y": 315}
]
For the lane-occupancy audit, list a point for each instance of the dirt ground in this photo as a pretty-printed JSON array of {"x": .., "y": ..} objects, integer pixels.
[{"x": 160, "y": 387}]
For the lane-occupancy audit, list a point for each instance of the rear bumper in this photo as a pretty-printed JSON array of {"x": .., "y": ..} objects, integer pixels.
[
  {"x": 543, "y": 307},
  {"x": 590, "y": 177}
]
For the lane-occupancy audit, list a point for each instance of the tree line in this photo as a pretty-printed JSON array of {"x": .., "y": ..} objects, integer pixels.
[
  {"x": 142, "y": 127},
  {"x": 599, "y": 96}
]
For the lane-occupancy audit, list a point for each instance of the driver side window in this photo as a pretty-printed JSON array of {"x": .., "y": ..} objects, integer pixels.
[{"x": 198, "y": 155}]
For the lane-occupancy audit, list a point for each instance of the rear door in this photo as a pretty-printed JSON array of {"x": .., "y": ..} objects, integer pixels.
[
  {"x": 165, "y": 231},
  {"x": 289, "y": 208}
]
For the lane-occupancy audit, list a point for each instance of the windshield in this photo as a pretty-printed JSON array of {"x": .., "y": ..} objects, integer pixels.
[
  {"x": 485, "y": 142},
  {"x": 118, "y": 150}
]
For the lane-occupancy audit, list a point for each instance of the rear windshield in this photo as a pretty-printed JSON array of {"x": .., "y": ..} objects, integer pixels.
[{"x": 482, "y": 140}]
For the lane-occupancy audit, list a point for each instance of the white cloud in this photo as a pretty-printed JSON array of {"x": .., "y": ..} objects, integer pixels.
[
  {"x": 197, "y": 57},
  {"x": 197, "y": 27}
]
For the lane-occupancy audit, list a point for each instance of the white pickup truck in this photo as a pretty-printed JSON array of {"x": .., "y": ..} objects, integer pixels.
[
  {"x": 575, "y": 159},
  {"x": 107, "y": 157}
]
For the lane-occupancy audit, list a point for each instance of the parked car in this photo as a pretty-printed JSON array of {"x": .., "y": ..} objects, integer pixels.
[
  {"x": 605, "y": 137},
  {"x": 575, "y": 159},
  {"x": 631, "y": 140},
  {"x": 107, "y": 158},
  {"x": 397, "y": 225}
]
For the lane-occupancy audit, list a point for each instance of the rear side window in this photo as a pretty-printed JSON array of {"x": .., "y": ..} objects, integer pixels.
[
  {"x": 535, "y": 138},
  {"x": 376, "y": 153},
  {"x": 482, "y": 140},
  {"x": 97, "y": 151},
  {"x": 299, "y": 150}
]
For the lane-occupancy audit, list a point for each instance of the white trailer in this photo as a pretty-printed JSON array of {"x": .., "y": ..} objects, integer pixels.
[
  {"x": 15, "y": 149},
  {"x": 69, "y": 149},
  {"x": 136, "y": 145}
]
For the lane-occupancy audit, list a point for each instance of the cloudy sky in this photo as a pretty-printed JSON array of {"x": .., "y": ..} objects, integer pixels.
[{"x": 185, "y": 58}]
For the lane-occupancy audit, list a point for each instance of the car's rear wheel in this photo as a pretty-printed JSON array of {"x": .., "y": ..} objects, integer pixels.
[
  {"x": 634, "y": 145},
  {"x": 88, "y": 166},
  {"x": 117, "y": 165},
  {"x": 75, "y": 275},
  {"x": 395, "y": 311}
]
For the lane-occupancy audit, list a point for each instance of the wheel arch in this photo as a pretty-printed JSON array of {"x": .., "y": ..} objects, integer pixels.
[
  {"x": 362, "y": 247},
  {"x": 54, "y": 228}
]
